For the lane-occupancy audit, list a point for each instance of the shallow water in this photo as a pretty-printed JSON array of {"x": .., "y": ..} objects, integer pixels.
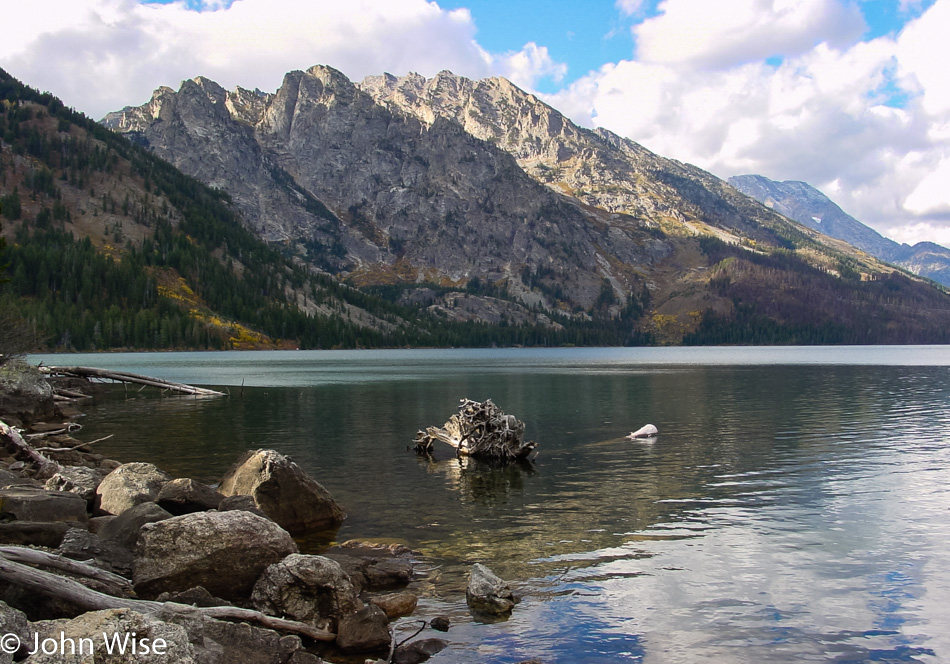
[{"x": 795, "y": 507}]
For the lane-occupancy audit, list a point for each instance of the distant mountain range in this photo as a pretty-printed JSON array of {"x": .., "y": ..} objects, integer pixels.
[
  {"x": 406, "y": 211},
  {"x": 806, "y": 205}
]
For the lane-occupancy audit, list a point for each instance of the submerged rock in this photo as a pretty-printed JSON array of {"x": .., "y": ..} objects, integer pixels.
[
  {"x": 283, "y": 491},
  {"x": 225, "y": 552},
  {"x": 487, "y": 593}
]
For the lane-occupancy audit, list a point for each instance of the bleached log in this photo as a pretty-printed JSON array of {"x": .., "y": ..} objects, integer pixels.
[
  {"x": 45, "y": 465},
  {"x": 22, "y": 554},
  {"x": 86, "y": 599},
  {"x": 126, "y": 377}
]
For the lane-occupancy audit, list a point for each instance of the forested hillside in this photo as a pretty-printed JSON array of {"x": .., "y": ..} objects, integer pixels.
[{"x": 108, "y": 246}]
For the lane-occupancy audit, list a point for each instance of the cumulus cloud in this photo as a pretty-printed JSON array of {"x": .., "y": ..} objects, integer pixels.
[
  {"x": 100, "y": 55},
  {"x": 529, "y": 65},
  {"x": 730, "y": 32},
  {"x": 824, "y": 113}
]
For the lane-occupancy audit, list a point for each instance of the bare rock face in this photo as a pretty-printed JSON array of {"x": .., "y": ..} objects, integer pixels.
[
  {"x": 487, "y": 593},
  {"x": 130, "y": 484},
  {"x": 289, "y": 496},
  {"x": 310, "y": 589},
  {"x": 92, "y": 635},
  {"x": 225, "y": 552}
]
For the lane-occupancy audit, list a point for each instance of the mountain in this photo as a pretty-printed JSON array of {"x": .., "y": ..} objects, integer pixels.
[
  {"x": 477, "y": 202},
  {"x": 808, "y": 206},
  {"x": 105, "y": 245}
]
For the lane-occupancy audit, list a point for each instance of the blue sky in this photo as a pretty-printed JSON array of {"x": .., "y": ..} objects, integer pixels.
[{"x": 850, "y": 96}]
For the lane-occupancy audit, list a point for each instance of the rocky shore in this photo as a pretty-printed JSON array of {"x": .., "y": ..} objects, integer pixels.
[{"x": 102, "y": 561}]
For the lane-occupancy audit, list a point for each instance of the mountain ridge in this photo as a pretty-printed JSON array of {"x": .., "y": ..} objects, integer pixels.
[{"x": 810, "y": 207}]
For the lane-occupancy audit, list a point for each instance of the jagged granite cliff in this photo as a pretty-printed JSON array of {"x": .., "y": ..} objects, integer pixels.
[
  {"x": 433, "y": 185},
  {"x": 807, "y": 205}
]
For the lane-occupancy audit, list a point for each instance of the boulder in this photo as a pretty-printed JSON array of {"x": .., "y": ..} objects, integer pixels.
[
  {"x": 25, "y": 396},
  {"x": 80, "y": 544},
  {"x": 197, "y": 596},
  {"x": 418, "y": 651},
  {"x": 245, "y": 503},
  {"x": 371, "y": 573},
  {"x": 219, "y": 641},
  {"x": 13, "y": 622},
  {"x": 487, "y": 593},
  {"x": 225, "y": 552},
  {"x": 283, "y": 491},
  {"x": 76, "y": 479},
  {"x": 33, "y": 533},
  {"x": 306, "y": 588},
  {"x": 21, "y": 503},
  {"x": 396, "y": 605},
  {"x": 124, "y": 529},
  {"x": 184, "y": 496},
  {"x": 367, "y": 630},
  {"x": 93, "y": 635},
  {"x": 129, "y": 485}
]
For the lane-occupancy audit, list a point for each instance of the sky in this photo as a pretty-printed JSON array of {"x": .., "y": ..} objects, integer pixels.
[{"x": 850, "y": 96}]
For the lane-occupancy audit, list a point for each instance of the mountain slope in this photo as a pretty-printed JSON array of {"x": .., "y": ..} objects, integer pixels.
[
  {"x": 421, "y": 189},
  {"x": 806, "y": 205}
]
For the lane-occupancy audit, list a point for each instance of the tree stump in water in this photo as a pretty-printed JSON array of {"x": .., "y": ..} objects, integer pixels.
[{"x": 480, "y": 429}]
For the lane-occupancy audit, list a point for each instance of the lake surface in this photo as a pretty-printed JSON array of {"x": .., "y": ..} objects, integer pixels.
[{"x": 795, "y": 506}]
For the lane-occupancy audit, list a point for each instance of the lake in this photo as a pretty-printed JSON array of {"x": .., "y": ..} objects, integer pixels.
[{"x": 795, "y": 506}]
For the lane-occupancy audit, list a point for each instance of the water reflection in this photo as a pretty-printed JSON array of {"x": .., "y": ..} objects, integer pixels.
[{"x": 785, "y": 513}]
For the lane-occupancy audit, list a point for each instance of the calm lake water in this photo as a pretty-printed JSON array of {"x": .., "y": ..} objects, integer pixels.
[{"x": 795, "y": 506}]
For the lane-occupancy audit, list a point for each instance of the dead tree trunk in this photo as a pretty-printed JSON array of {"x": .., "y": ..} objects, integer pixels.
[
  {"x": 481, "y": 430},
  {"x": 126, "y": 377}
]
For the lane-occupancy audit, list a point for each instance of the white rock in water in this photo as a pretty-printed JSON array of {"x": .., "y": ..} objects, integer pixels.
[{"x": 646, "y": 431}]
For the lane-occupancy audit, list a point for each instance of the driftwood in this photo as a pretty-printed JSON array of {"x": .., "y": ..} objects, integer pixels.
[
  {"x": 45, "y": 466},
  {"x": 51, "y": 585},
  {"x": 21, "y": 554},
  {"x": 126, "y": 377},
  {"x": 479, "y": 429}
]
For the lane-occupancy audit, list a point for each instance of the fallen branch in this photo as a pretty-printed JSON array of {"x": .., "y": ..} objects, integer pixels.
[
  {"x": 45, "y": 466},
  {"x": 19, "y": 554},
  {"x": 126, "y": 377},
  {"x": 86, "y": 599},
  {"x": 74, "y": 447}
]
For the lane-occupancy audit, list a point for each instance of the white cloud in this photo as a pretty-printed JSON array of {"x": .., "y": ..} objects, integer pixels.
[
  {"x": 820, "y": 116},
  {"x": 72, "y": 48},
  {"x": 629, "y": 7},
  {"x": 526, "y": 67},
  {"x": 726, "y": 33}
]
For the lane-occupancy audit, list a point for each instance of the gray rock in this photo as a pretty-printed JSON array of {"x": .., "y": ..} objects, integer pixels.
[
  {"x": 240, "y": 502},
  {"x": 91, "y": 634},
  {"x": 372, "y": 573},
  {"x": 185, "y": 495},
  {"x": 124, "y": 529},
  {"x": 225, "y": 552},
  {"x": 311, "y": 589},
  {"x": 80, "y": 544},
  {"x": 367, "y": 630},
  {"x": 25, "y": 396},
  {"x": 49, "y": 534},
  {"x": 76, "y": 479},
  {"x": 283, "y": 491},
  {"x": 440, "y": 623},
  {"x": 197, "y": 596},
  {"x": 128, "y": 485},
  {"x": 487, "y": 593},
  {"x": 14, "y": 622},
  {"x": 221, "y": 642},
  {"x": 34, "y": 504},
  {"x": 418, "y": 651}
]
